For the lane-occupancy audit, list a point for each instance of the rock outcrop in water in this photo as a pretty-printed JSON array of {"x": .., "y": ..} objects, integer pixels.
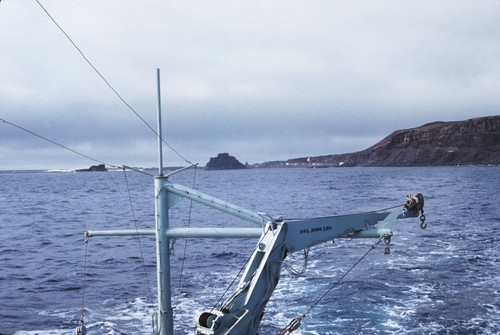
[
  {"x": 470, "y": 142},
  {"x": 94, "y": 168},
  {"x": 224, "y": 162}
]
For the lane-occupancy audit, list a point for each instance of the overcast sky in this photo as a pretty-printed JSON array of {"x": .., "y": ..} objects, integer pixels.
[{"x": 261, "y": 80}]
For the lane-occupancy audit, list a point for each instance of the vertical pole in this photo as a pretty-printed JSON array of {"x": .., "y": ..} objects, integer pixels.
[
  {"x": 165, "y": 312},
  {"x": 160, "y": 138}
]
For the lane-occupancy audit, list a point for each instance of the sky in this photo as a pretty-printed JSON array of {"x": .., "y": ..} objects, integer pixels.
[{"x": 260, "y": 80}]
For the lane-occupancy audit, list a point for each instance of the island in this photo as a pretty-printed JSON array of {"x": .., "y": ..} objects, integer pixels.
[
  {"x": 94, "y": 168},
  {"x": 224, "y": 161}
]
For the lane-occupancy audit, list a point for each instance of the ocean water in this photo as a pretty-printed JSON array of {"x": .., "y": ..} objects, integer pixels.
[{"x": 442, "y": 280}]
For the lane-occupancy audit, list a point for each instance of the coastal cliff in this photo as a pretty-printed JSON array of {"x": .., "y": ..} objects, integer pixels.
[{"x": 470, "y": 142}]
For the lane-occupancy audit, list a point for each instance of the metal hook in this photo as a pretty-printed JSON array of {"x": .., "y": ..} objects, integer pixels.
[
  {"x": 423, "y": 224},
  {"x": 81, "y": 330}
]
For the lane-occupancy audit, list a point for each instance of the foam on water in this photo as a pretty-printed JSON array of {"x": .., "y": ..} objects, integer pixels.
[{"x": 443, "y": 280}]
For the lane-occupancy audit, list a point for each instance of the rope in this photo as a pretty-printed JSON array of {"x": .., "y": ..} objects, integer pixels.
[{"x": 295, "y": 323}]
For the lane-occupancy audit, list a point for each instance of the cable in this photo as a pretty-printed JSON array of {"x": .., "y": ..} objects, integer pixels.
[
  {"x": 81, "y": 329},
  {"x": 138, "y": 236},
  {"x": 94, "y": 68},
  {"x": 300, "y": 272},
  {"x": 137, "y": 170},
  {"x": 232, "y": 282},
  {"x": 108, "y": 83},
  {"x": 295, "y": 323},
  {"x": 57, "y": 144},
  {"x": 185, "y": 243}
]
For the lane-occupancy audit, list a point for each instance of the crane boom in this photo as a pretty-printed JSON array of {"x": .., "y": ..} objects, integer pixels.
[{"x": 242, "y": 312}]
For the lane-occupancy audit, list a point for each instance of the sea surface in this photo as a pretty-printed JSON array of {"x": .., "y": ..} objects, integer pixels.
[{"x": 441, "y": 280}]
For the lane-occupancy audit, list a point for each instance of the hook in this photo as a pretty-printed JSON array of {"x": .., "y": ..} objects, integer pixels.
[
  {"x": 423, "y": 224},
  {"x": 81, "y": 330}
]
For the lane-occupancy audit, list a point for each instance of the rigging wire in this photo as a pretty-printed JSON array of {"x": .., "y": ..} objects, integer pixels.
[
  {"x": 56, "y": 143},
  {"x": 295, "y": 323},
  {"x": 81, "y": 329},
  {"x": 120, "y": 97},
  {"x": 300, "y": 272},
  {"x": 93, "y": 67},
  {"x": 185, "y": 242},
  {"x": 72, "y": 150},
  {"x": 232, "y": 282},
  {"x": 266, "y": 296},
  {"x": 137, "y": 170},
  {"x": 138, "y": 237}
]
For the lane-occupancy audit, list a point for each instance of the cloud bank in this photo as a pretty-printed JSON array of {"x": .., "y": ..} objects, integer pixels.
[{"x": 262, "y": 80}]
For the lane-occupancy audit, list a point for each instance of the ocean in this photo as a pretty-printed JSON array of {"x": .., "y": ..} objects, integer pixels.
[{"x": 441, "y": 280}]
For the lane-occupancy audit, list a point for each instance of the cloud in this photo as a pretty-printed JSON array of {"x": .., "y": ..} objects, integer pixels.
[{"x": 262, "y": 80}]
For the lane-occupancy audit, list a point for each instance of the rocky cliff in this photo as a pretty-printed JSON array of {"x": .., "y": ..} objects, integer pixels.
[
  {"x": 224, "y": 162},
  {"x": 470, "y": 142}
]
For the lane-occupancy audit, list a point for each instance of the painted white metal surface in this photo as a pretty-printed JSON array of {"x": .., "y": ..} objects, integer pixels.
[{"x": 242, "y": 312}]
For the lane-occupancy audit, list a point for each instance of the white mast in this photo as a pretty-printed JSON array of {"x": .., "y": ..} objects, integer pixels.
[
  {"x": 165, "y": 313},
  {"x": 160, "y": 138}
]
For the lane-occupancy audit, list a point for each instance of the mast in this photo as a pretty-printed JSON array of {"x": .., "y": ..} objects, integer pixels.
[
  {"x": 165, "y": 323},
  {"x": 160, "y": 138}
]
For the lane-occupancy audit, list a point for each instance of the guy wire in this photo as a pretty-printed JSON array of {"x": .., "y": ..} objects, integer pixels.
[
  {"x": 186, "y": 241},
  {"x": 138, "y": 237},
  {"x": 84, "y": 275},
  {"x": 108, "y": 83},
  {"x": 57, "y": 144}
]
